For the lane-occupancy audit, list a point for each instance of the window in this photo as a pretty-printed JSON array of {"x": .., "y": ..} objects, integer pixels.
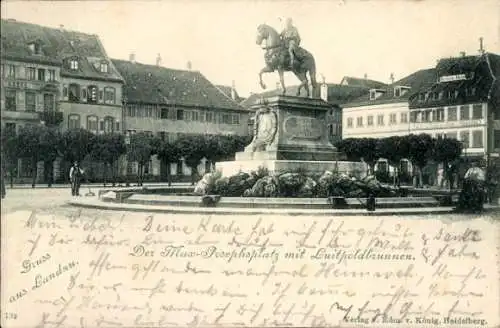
[
  {"x": 74, "y": 92},
  {"x": 202, "y": 116},
  {"x": 359, "y": 121},
  {"x": 164, "y": 113},
  {"x": 41, "y": 74},
  {"x": 10, "y": 129},
  {"x": 179, "y": 114},
  {"x": 349, "y": 122},
  {"x": 210, "y": 117},
  {"x": 131, "y": 109},
  {"x": 226, "y": 119},
  {"x": 92, "y": 123},
  {"x": 73, "y": 64},
  {"x": 477, "y": 139},
  {"x": 392, "y": 119},
  {"x": 397, "y": 92},
  {"x": 48, "y": 102},
  {"x": 101, "y": 95},
  {"x": 464, "y": 137},
  {"x": 30, "y": 73},
  {"x": 452, "y": 113},
  {"x": 421, "y": 97},
  {"x": 109, "y": 95},
  {"x": 51, "y": 75},
  {"x": 464, "y": 112},
  {"x": 370, "y": 120},
  {"x": 380, "y": 119},
  {"x": 65, "y": 91},
  {"x": 10, "y": 100},
  {"x": 73, "y": 121},
  {"x": 35, "y": 48},
  {"x": 330, "y": 130},
  {"x": 11, "y": 71},
  {"x": 426, "y": 116},
  {"x": 104, "y": 67},
  {"x": 413, "y": 116},
  {"x": 108, "y": 124},
  {"x": 404, "y": 118},
  {"x": 195, "y": 116},
  {"x": 477, "y": 112},
  {"x": 162, "y": 135},
  {"x": 92, "y": 94},
  {"x": 496, "y": 141},
  {"x": 438, "y": 115},
  {"x": 30, "y": 98},
  {"x": 84, "y": 95}
]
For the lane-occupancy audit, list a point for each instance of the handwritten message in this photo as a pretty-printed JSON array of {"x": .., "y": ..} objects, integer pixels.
[{"x": 87, "y": 268}]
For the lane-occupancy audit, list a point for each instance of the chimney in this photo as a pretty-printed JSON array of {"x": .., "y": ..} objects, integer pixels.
[
  {"x": 391, "y": 78},
  {"x": 366, "y": 76},
  {"x": 462, "y": 53},
  {"x": 233, "y": 90},
  {"x": 131, "y": 57},
  {"x": 158, "y": 60},
  {"x": 61, "y": 27},
  {"x": 481, "y": 46},
  {"x": 189, "y": 65},
  {"x": 323, "y": 79}
]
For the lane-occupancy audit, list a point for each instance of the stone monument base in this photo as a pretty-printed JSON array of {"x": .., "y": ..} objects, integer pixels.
[
  {"x": 291, "y": 133},
  {"x": 276, "y": 166}
]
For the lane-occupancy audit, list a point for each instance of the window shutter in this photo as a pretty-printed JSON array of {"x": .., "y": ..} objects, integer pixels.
[
  {"x": 100, "y": 94},
  {"x": 101, "y": 125}
]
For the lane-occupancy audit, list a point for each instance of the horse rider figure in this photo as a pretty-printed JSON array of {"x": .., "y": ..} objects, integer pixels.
[{"x": 291, "y": 38}]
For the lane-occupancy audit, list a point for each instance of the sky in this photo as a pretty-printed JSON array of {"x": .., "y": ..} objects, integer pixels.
[{"x": 347, "y": 38}]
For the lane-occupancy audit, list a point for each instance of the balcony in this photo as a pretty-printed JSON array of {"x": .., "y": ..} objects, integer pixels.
[{"x": 51, "y": 118}]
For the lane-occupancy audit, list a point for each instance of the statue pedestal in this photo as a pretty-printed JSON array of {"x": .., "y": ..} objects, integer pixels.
[{"x": 289, "y": 133}]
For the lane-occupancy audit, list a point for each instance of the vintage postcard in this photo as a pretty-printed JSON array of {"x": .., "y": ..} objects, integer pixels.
[{"x": 250, "y": 164}]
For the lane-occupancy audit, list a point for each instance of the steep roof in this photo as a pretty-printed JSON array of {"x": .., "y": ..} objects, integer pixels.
[
  {"x": 415, "y": 81},
  {"x": 160, "y": 85},
  {"x": 57, "y": 46},
  {"x": 362, "y": 82},
  {"x": 337, "y": 94},
  {"x": 478, "y": 73},
  {"x": 227, "y": 90}
]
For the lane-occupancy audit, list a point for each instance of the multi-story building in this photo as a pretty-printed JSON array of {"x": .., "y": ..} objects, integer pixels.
[
  {"x": 384, "y": 111},
  {"x": 57, "y": 77},
  {"x": 463, "y": 103},
  {"x": 170, "y": 103}
]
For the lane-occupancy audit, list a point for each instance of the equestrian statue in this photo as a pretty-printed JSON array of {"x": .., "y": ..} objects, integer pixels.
[{"x": 284, "y": 54}]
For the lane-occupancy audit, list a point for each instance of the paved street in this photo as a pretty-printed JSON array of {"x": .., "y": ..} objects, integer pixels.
[{"x": 26, "y": 198}]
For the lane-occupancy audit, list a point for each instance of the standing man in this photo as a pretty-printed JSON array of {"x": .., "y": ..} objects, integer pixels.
[
  {"x": 75, "y": 177},
  {"x": 291, "y": 37}
]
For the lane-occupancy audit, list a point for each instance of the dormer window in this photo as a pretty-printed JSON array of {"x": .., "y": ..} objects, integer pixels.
[
  {"x": 73, "y": 64},
  {"x": 400, "y": 91},
  {"x": 104, "y": 67},
  {"x": 376, "y": 93},
  {"x": 35, "y": 48}
]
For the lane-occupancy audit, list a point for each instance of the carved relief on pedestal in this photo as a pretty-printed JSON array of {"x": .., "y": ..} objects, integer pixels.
[
  {"x": 301, "y": 127},
  {"x": 265, "y": 129}
]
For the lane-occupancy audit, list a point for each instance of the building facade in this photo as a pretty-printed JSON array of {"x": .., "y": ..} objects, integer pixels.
[
  {"x": 170, "y": 103},
  {"x": 462, "y": 104},
  {"x": 384, "y": 111},
  {"x": 60, "y": 78}
]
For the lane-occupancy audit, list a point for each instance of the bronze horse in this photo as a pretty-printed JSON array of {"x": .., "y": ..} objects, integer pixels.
[{"x": 277, "y": 58}]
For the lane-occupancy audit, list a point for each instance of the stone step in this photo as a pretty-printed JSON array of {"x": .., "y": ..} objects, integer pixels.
[{"x": 255, "y": 202}]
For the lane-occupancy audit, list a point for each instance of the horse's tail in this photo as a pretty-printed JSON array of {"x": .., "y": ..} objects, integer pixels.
[{"x": 312, "y": 76}]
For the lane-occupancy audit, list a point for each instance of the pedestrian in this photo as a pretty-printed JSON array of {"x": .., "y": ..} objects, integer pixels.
[
  {"x": 473, "y": 190},
  {"x": 75, "y": 177}
]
